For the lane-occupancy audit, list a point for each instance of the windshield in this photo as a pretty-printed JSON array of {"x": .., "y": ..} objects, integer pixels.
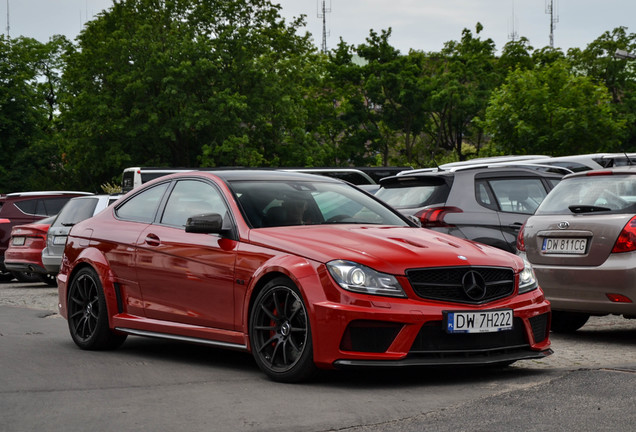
[
  {"x": 612, "y": 193},
  {"x": 414, "y": 192},
  {"x": 281, "y": 203},
  {"x": 76, "y": 210}
]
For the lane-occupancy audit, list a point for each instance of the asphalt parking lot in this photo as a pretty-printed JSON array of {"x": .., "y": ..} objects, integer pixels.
[
  {"x": 150, "y": 384},
  {"x": 600, "y": 351}
]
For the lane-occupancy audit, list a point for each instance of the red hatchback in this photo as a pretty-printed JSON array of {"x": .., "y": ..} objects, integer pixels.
[
  {"x": 23, "y": 257},
  {"x": 302, "y": 271}
]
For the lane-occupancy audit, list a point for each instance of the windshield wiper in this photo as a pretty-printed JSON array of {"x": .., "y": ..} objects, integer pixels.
[
  {"x": 587, "y": 208},
  {"x": 67, "y": 224}
]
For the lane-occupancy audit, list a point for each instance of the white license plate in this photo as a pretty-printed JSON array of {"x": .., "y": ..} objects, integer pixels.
[
  {"x": 59, "y": 240},
  {"x": 576, "y": 246},
  {"x": 18, "y": 241},
  {"x": 479, "y": 322}
]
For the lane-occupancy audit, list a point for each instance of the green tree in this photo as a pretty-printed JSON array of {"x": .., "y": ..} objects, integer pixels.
[
  {"x": 185, "y": 83},
  {"x": 463, "y": 77},
  {"x": 599, "y": 62},
  {"x": 550, "y": 111},
  {"x": 29, "y": 85}
]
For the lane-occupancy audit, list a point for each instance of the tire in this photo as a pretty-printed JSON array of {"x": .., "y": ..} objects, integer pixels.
[
  {"x": 280, "y": 333},
  {"x": 88, "y": 315},
  {"x": 568, "y": 322},
  {"x": 6, "y": 276},
  {"x": 28, "y": 277}
]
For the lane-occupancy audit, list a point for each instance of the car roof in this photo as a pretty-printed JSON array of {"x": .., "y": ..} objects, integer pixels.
[
  {"x": 494, "y": 169},
  {"x": 45, "y": 193},
  {"x": 627, "y": 169},
  {"x": 255, "y": 175}
]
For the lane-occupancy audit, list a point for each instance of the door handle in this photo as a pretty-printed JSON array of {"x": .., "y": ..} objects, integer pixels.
[
  {"x": 152, "y": 240},
  {"x": 515, "y": 226}
]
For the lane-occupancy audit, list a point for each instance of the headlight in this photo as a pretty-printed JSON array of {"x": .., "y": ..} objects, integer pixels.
[
  {"x": 527, "y": 279},
  {"x": 362, "y": 279}
]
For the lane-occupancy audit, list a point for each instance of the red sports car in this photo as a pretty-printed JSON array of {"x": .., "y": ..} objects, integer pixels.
[{"x": 303, "y": 271}]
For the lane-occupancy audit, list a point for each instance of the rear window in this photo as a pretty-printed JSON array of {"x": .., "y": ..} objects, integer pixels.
[
  {"x": 607, "y": 193},
  {"x": 42, "y": 206},
  {"x": 76, "y": 211},
  {"x": 414, "y": 192}
]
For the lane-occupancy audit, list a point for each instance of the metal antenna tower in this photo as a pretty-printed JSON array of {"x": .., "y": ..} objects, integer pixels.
[
  {"x": 513, "y": 35},
  {"x": 8, "y": 27},
  {"x": 551, "y": 9},
  {"x": 322, "y": 13}
]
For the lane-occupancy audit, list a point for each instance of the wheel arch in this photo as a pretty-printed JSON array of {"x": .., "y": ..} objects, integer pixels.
[{"x": 95, "y": 259}]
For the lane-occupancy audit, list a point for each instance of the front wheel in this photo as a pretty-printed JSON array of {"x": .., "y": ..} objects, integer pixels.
[
  {"x": 568, "y": 322},
  {"x": 87, "y": 313},
  {"x": 280, "y": 333}
]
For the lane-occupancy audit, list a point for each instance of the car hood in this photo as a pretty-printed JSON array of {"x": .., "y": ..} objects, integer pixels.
[{"x": 384, "y": 248}]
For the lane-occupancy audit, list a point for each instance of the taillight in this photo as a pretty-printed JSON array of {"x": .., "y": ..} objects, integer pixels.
[
  {"x": 521, "y": 245},
  {"x": 626, "y": 241},
  {"x": 5, "y": 221},
  {"x": 434, "y": 216}
]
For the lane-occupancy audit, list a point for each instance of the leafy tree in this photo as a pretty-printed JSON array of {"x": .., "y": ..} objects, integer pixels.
[
  {"x": 599, "y": 62},
  {"x": 550, "y": 111},
  {"x": 183, "y": 83},
  {"x": 461, "y": 83},
  {"x": 29, "y": 84}
]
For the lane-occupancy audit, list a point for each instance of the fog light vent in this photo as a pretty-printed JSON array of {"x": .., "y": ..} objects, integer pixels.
[{"x": 369, "y": 336}]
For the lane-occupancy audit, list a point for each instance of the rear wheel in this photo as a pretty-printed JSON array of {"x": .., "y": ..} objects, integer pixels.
[
  {"x": 568, "y": 322},
  {"x": 87, "y": 313},
  {"x": 280, "y": 334}
]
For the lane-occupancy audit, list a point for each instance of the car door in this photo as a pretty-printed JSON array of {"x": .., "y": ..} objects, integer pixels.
[
  {"x": 517, "y": 198},
  {"x": 187, "y": 277}
]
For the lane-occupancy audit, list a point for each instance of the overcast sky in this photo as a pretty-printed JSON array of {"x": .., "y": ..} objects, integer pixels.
[{"x": 416, "y": 24}]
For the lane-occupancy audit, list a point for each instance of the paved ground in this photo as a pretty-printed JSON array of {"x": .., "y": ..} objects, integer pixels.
[{"x": 599, "y": 351}]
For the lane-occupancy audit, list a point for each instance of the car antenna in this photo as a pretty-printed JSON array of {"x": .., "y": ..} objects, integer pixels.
[
  {"x": 629, "y": 161},
  {"x": 435, "y": 162}
]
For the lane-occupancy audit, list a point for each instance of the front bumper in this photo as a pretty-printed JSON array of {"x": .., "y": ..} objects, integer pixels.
[{"x": 403, "y": 333}]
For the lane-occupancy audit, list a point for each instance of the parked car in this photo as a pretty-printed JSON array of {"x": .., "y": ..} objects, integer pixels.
[
  {"x": 582, "y": 244},
  {"x": 76, "y": 210},
  {"x": 303, "y": 271},
  {"x": 487, "y": 204},
  {"x": 25, "y": 207},
  {"x": 23, "y": 257},
  {"x": 587, "y": 162}
]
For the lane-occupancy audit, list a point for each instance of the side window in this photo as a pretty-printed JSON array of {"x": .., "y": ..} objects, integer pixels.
[
  {"x": 484, "y": 195},
  {"x": 27, "y": 206},
  {"x": 51, "y": 206},
  {"x": 142, "y": 207},
  {"x": 190, "y": 198},
  {"x": 521, "y": 195}
]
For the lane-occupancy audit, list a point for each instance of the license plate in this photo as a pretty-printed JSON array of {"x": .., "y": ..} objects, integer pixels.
[
  {"x": 18, "y": 241},
  {"x": 59, "y": 240},
  {"x": 479, "y": 321},
  {"x": 576, "y": 246}
]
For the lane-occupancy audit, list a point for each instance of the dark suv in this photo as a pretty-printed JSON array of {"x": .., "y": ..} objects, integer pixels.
[
  {"x": 481, "y": 203},
  {"x": 26, "y": 207}
]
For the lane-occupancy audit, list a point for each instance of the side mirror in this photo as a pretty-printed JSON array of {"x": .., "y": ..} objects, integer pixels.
[{"x": 211, "y": 223}]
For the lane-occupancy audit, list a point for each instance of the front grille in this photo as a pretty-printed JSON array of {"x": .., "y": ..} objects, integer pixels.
[
  {"x": 539, "y": 326},
  {"x": 446, "y": 283}
]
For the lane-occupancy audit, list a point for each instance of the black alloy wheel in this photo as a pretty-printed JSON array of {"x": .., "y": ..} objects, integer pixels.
[
  {"x": 88, "y": 315},
  {"x": 280, "y": 333}
]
